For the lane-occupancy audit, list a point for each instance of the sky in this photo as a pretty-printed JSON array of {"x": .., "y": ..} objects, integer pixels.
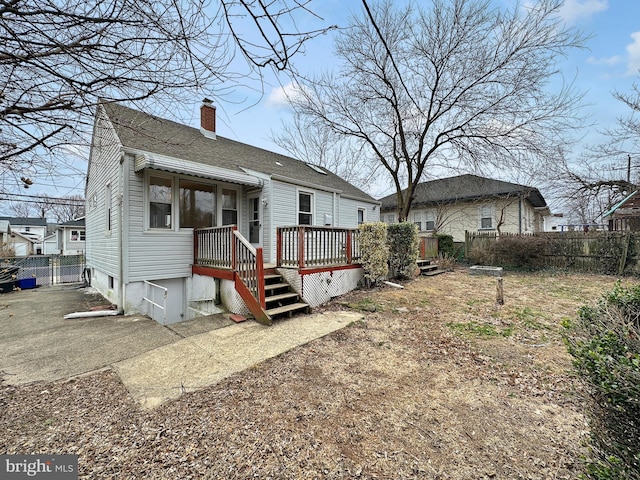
[{"x": 610, "y": 61}]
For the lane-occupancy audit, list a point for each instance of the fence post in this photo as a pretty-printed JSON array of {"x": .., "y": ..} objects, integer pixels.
[{"x": 625, "y": 251}]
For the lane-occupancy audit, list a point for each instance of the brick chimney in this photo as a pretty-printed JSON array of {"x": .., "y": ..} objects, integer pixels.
[{"x": 208, "y": 119}]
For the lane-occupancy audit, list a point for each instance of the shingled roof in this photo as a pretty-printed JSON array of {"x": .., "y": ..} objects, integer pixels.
[
  {"x": 147, "y": 133},
  {"x": 465, "y": 188}
]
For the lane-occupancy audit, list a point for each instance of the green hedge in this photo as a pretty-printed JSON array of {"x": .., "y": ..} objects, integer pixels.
[
  {"x": 605, "y": 344},
  {"x": 374, "y": 251},
  {"x": 404, "y": 249}
]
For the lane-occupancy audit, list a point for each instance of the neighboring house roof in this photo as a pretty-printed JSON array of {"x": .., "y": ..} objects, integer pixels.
[
  {"x": 618, "y": 205},
  {"x": 79, "y": 222},
  {"x": 23, "y": 237},
  {"x": 147, "y": 133},
  {"x": 26, "y": 222},
  {"x": 465, "y": 188}
]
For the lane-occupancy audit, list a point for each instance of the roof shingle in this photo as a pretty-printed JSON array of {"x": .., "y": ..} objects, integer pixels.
[
  {"x": 465, "y": 188},
  {"x": 144, "y": 132}
]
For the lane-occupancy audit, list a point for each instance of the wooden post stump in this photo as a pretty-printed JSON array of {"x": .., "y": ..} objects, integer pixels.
[{"x": 499, "y": 292}]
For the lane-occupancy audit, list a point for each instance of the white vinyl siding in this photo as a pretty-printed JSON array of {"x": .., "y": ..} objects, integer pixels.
[
  {"x": 153, "y": 253},
  {"x": 104, "y": 163}
]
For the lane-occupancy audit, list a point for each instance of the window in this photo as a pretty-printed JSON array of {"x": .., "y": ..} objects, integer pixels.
[
  {"x": 416, "y": 216},
  {"x": 254, "y": 220},
  {"x": 430, "y": 223},
  {"x": 160, "y": 202},
  {"x": 360, "y": 216},
  {"x": 486, "y": 217},
  {"x": 305, "y": 201},
  {"x": 229, "y": 207},
  {"x": 197, "y": 205},
  {"x": 77, "y": 236}
]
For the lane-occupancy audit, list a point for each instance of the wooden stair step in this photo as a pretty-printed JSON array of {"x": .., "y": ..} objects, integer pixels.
[
  {"x": 287, "y": 308},
  {"x": 274, "y": 286},
  {"x": 431, "y": 273},
  {"x": 428, "y": 268},
  {"x": 281, "y": 296},
  {"x": 273, "y": 276}
]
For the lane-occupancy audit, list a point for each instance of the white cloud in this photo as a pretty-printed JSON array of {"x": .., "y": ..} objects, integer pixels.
[
  {"x": 279, "y": 97},
  {"x": 607, "y": 61},
  {"x": 633, "y": 49},
  {"x": 573, "y": 11}
]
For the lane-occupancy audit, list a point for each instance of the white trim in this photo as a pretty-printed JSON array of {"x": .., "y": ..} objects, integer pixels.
[
  {"x": 156, "y": 161},
  {"x": 312, "y": 207}
]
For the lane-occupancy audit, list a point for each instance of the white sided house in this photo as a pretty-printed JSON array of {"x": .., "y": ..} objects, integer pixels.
[
  {"x": 455, "y": 205},
  {"x": 181, "y": 222}
]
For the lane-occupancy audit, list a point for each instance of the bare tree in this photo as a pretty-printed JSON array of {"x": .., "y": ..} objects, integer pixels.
[
  {"x": 68, "y": 208},
  {"x": 58, "y": 57},
  {"x": 608, "y": 172},
  {"x": 463, "y": 85},
  {"x": 312, "y": 142},
  {"x": 21, "y": 209}
]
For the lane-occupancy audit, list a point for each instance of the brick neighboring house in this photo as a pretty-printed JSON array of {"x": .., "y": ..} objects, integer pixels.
[{"x": 454, "y": 205}]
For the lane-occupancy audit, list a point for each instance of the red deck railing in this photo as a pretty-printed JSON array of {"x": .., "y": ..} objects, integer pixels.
[
  {"x": 305, "y": 246},
  {"x": 229, "y": 255}
]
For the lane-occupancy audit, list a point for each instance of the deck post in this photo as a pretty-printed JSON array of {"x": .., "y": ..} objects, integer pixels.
[
  {"x": 301, "y": 232},
  {"x": 260, "y": 275},
  {"x": 349, "y": 247},
  {"x": 195, "y": 246},
  {"x": 234, "y": 260},
  {"x": 279, "y": 246}
]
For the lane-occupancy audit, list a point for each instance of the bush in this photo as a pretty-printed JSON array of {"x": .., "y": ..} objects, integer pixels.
[
  {"x": 446, "y": 247},
  {"x": 404, "y": 249},
  {"x": 605, "y": 345},
  {"x": 516, "y": 251},
  {"x": 374, "y": 251}
]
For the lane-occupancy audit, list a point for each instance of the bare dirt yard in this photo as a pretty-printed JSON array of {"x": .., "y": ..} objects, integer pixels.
[{"x": 438, "y": 382}]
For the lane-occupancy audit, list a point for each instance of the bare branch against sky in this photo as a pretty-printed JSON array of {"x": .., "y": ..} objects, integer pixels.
[
  {"x": 58, "y": 57},
  {"x": 462, "y": 85}
]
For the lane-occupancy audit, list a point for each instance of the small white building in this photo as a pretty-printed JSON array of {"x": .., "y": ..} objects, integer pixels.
[
  {"x": 71, "y": 237},
  {"x": 35, "y": 229}
]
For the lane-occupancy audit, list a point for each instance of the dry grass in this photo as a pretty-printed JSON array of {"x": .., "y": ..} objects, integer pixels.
[{"x": 437, "y": 382}]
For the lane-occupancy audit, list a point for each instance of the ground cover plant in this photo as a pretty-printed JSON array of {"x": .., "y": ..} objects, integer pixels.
[{"x": 436, "y": 381}]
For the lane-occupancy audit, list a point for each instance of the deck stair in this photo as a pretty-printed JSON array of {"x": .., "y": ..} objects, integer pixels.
[
  {"x": 280, "y": 298},
  {"x": 429, "y": 268}
]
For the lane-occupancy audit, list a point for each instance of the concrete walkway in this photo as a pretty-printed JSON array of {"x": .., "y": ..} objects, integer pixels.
[
  {"x": 200, "y": 360},
  {"x": 156, "y": 363}
]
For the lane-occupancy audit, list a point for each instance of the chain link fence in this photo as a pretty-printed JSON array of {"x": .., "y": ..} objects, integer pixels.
[{"x": 45, "y": 269}]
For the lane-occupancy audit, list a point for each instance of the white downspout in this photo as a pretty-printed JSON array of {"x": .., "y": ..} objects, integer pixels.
[{"x": 121, "y": 295}]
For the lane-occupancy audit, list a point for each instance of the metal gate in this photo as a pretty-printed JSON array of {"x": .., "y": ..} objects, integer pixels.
[{"x": 48, "y": 269}]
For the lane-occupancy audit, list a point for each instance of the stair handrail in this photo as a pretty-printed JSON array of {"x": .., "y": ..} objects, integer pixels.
[{"x": 248, "y": 265}]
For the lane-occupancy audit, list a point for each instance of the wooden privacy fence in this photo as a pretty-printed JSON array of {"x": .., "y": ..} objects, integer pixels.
[{"x": 612, "y": 253}]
